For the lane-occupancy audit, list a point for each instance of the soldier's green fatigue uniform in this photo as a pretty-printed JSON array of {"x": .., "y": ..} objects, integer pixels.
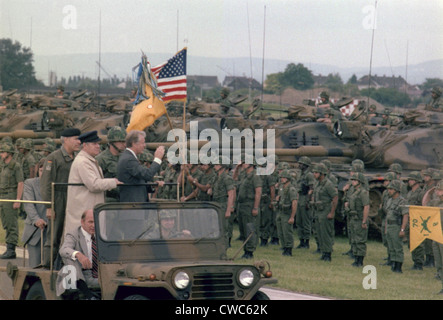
[
  {"x": 196, "y": 173},
  {"x": 382, "y": 212},
  {"x": 108, "y": 162},
  {"x": 414, "y": 198},
  {"x": 224, "y": 183},
  {"x": 207, "y": 178},
  {"x": 397, "y": 169},
  {"x": 28, "y": 161},
  {"x": 10, "y": 175},
  {"x": 246, "y": 197},
  {"x": 287, "y": 193},
  {"x": 438, "y": 247},
  {"x": 266, "y": 213},
  {"x": 357, "y": 202},
  {"x": 170, "y": 191},
  {"x": 436, "y": 103},
  {"x": 323, "y": 196},
  {"x": 357, "y": 166},
  {"x": 304, "y": 217},
  {"x": 395, "y": 210},
  {"x": 238, "y": 181},
  {"x": 429, "y": 254},
  {"x": 55, "y": 169}
]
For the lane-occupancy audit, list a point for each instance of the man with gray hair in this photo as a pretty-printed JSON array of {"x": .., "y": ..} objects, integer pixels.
[{"x": 131, "y": 172}]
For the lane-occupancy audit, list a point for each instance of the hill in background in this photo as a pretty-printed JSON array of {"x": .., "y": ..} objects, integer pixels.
[{"x": 121, "y": 65}]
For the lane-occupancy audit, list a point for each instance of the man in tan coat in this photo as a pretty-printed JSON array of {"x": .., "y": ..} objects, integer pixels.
[{"x": 86, "y": 171}]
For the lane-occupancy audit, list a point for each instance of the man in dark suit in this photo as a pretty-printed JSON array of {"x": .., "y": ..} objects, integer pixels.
[{"x": 131, "y": 171}]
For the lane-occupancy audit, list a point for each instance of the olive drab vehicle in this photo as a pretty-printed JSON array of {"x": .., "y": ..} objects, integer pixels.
[{"x": 141, "y": 257}]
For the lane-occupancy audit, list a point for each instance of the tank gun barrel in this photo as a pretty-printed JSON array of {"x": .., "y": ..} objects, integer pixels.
[{"x": 26, "y": 134}]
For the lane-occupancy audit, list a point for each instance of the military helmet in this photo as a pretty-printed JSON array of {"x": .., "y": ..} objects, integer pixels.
[
  {"x": 428, "y": 172},
  {"x": 166, "y": 214},
  {"x": 390, "y": 176},
  {"x": 358, "y": 161},
  {"x": 395, "y": 184},
  {"x": 437, "y": 91},
  {"x": 225, "y": 91},
  {"x": 146, "y": 156},
  {"x": 439, "y": 185},
  {"x": 356, "y": 167},
  {"x": 395, "y": 167},
  {"x": 285, "y": 174},
  {"x": 26, "y": 144},
  {"x": 324, "y": 94},
  {"x": 116, "y": 134},
  {"x": 415, "y": 175},
  {"x": 18, "y": 142},
  {"x": 6, "y": 139},
  {"x": 283, "y": 166},
  {"x": 359, "y": 176},
  {"x": 327, "y": 163},
  {"x": 437, "y": 175},
  {"x": 320, "y": 168},
  {"x": 7, "y": 147},
  {"x": 305, "y": 160},
  {"x": 49, "y": 148},
  {"x": 387, "y": 111}
]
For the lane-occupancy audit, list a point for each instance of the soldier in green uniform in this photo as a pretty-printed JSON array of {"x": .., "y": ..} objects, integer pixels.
[
  {"x": 414, "y": 198},
  {"x": 56, "y": 170},
  {"x": 438, "y": 247},
  {"x": 249, "y": 196},
  {"x": 205, "y": 182},
  {"x": 11, "y": 187},
  {"x": 325, "y": 198},
  {"x": 192, "y": 174},
  {"x": 397, "y": 215},
  {"x": 436, "y": 102},
  {"x": 266, "y": 211},
  {"x": 108, "y": 159},
  {"x": 28, "y": 161},
  {"x": 287, "y": 208},
  {"x": 358, "y": 204},
  {"x": 223, "y": 193},
  {"x": 389, "y": 176},
  {"x": 304, "y": 216},
  {"x": 397, "y": 169}
]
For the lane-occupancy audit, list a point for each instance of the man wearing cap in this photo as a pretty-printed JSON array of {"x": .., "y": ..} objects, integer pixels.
[
  {"x": 56, "y": 170},
  {"x": 85, "y": 170},
  {"x": 131, "y": 171}
]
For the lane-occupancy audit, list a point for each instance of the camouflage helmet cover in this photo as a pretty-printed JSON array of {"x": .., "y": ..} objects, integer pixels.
[
  {"x": 395, "y": 167},
  {"x": 415, "y": 175},
  {"x": 285, "y": 174},
  {"x": 356, "y": 167},
  {"x": 359, "y": 176},
  {"x": 116, "y": 134},
  {"x": 320, "y": 168},
  {"x": 390, "y": 176},
  {"x": 395, "y": 184},
  {"x": 305, "y": 160},
  {"x": 439, "y": 185},
  {"x": 26, "y": 144},
  {"x": 7, "y": 147},
  {"x": 283, "y": 166}
]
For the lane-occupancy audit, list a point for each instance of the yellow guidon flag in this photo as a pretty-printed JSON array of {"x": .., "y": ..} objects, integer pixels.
[
  {"x": 148, "y": 105},
  {"x": 146, "y": 112},
  {"x": 424, "y": 223}
]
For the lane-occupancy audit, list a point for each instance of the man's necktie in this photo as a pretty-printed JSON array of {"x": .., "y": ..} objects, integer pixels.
[{"x": 94, "y": 257}]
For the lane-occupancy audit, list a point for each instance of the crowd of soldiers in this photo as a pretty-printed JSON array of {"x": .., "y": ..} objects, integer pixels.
[{"x": 266, "y": 208}]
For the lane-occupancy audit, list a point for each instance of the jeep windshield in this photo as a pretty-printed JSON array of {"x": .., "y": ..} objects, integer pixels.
[{"x": 158, "y": 224}]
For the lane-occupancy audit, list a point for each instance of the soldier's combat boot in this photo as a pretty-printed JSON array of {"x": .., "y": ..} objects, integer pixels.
[
  {"x": 9, "y": 253},
  {"x": 301, "y": 244},
  {"x": 306, "y": 244},
  {"x": 263, "y": 242},
  {"x": 327, "y": 257},
  {"x": 429, "y": 262},
  {"x": 397, "y": 267}
]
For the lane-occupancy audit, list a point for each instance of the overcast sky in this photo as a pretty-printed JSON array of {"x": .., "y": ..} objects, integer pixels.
[{"x": 314, "y": 31}]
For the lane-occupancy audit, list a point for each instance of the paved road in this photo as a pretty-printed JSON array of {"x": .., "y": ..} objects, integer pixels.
[{"x": 6, "y": 289}]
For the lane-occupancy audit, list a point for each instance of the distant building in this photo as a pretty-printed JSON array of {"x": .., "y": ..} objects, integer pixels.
[
  {"x": 203, "y": 82},
  {"x": 381, "y": 82},
  {"x": 237, "y": 83}
]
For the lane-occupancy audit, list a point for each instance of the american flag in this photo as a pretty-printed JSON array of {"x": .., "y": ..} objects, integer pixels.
[{"x": 171, "y": 77}]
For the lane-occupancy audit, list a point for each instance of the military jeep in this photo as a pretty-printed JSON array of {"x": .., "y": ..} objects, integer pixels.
[{"x": 151, "y": 251}]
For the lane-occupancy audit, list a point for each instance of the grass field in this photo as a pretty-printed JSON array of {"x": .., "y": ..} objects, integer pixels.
[{"x": 305, "y": 273}]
